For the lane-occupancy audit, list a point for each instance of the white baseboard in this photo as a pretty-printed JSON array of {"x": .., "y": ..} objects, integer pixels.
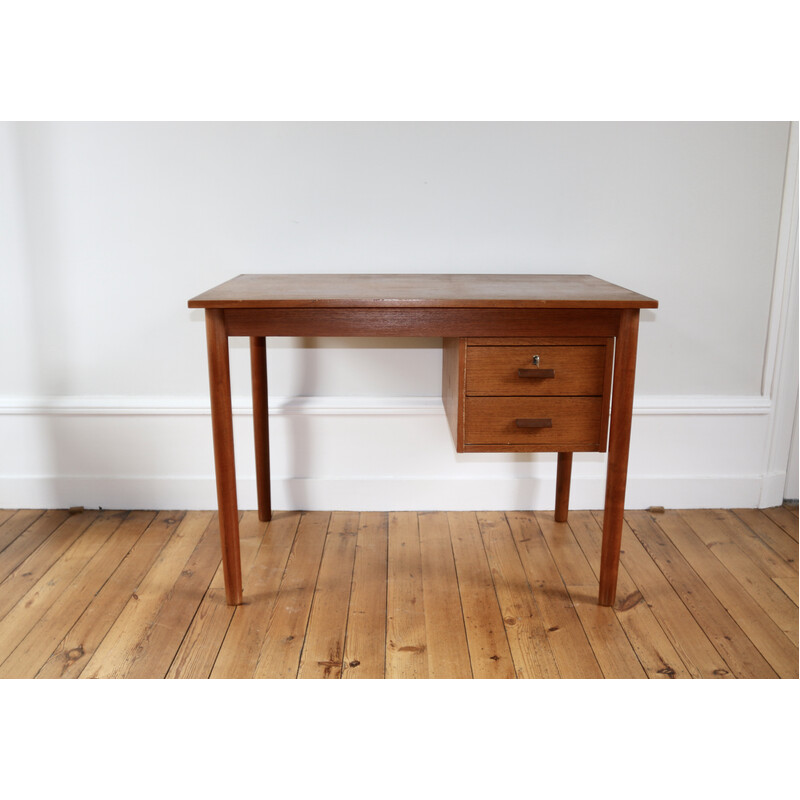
[
  {"x": 377, "y": 494},
  {"x": 773, "y": 485},
  {"x": 365, "y": 453}
]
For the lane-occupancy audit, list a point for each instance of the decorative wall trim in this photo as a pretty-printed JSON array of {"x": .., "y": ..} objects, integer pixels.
[
  {"x": 691, "y": 405},
  {"x": 785, "y": 254}
]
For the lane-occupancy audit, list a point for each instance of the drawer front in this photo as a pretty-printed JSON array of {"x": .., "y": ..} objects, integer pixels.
[
  {"x": 511, "y": 370},
  {"x": 573, "y": 421}
]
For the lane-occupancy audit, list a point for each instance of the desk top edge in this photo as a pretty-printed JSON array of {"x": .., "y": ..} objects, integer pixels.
[{"x": 410, "y": 290}]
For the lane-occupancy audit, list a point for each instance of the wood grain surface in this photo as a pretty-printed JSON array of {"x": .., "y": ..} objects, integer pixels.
[
  {"x": 407, "y": 595},
  {"x": 576, "y": 370}
]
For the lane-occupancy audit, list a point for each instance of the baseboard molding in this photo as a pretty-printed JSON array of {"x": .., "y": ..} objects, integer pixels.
[
  {"x": 364, "y": 453},
  {"x": 773, "y": 486},
  {"x": 375, "y": 494}
]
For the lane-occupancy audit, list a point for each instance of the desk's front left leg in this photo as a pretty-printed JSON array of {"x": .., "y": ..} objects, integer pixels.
[
  {"x": 222, "y": 427},
  {"x": 618, "y": 447}
]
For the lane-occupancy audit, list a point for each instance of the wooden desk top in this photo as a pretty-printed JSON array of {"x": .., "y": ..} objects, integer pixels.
[{"x": 419, "y": 291}]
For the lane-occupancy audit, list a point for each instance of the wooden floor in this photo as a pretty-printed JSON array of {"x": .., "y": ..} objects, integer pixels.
[{"x": 105, "y": 594}]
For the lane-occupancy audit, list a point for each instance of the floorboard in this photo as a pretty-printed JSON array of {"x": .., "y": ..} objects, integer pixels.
[{"x": 365, "y": 641}]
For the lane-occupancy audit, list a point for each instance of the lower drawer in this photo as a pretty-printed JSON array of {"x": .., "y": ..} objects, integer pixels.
[{"x": 574, "y": 422}]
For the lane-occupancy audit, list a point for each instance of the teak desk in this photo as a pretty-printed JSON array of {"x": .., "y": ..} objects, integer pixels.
[{"x": 527, "y": 367}]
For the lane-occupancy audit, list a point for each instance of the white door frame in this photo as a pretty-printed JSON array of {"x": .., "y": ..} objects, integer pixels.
[{"x": 780, "y": 377}]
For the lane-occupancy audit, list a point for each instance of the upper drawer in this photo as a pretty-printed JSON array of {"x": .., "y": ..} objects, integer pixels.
[{"x": 512, "y": 370}]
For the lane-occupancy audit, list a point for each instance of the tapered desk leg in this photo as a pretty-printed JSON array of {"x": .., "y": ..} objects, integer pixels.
[
  {"x": 563, "y": 478},
  {"x": 618, "y": 449},
  {"x": 222, "y": 427},
  {"x": 258, "y": 373}
]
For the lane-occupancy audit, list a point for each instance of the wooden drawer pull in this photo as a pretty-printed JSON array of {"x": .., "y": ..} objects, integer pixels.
[
  {"x": 536, "y": 373},
  {"x": 534, "y": 423}
]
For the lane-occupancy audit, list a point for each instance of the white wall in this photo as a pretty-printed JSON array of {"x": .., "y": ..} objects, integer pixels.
[{"x": 108, "y": 229}]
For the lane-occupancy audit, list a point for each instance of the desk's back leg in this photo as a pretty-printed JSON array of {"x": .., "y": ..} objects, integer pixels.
[
  {"x": 258, "y": 372},
  {"x": 222, "y": 427},
  {"x": 563, "y": 478},
  {"x": 618, "y": 447}
]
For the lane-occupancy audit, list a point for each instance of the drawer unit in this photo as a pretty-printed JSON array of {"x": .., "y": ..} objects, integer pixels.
[{"x": 528, "y": 395}]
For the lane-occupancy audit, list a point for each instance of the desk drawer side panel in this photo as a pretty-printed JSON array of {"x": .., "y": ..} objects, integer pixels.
[{"x": 453, "y": 375}]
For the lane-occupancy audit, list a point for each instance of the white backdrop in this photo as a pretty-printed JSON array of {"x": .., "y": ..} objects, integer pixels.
[{"x": 108, "y": 229}]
